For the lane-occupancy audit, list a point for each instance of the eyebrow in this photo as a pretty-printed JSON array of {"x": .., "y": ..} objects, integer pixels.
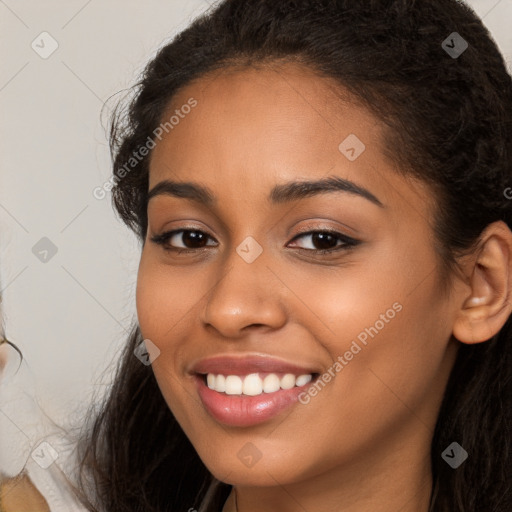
[{"x": 279, "y": 194}]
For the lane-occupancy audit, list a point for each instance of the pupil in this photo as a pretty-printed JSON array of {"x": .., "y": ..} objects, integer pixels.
[{"x": 319, "y": 239}]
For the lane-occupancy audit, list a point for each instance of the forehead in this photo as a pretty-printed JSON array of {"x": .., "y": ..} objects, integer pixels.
[
  {"x": 269, "y": 111},
  {"x": 255, "y": 127}
]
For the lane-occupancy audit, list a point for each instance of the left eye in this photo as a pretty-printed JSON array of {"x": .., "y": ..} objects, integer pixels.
[{"x": 327, "y": 241}]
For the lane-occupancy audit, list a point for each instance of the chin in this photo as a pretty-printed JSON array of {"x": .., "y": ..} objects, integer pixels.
[{"x": 256, "y": 473}]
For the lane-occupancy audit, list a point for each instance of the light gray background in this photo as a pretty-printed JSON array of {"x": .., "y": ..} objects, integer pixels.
[{"x": 70, "y": 315}]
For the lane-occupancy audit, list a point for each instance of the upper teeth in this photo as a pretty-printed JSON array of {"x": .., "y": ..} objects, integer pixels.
[{"x": 253, "y": 384}]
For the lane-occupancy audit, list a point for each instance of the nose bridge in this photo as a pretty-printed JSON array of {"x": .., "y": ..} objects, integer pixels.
[{"x": 242, "y": 296}]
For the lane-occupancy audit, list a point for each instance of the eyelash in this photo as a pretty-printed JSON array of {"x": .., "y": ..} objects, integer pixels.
[{"x": 348, "y": 242}]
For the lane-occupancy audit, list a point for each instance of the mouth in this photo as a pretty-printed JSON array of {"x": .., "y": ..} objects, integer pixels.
[{"x": 251, "y": 399}]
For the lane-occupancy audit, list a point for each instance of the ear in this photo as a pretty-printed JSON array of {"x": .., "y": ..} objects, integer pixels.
[{"x": 488, "y": 305}]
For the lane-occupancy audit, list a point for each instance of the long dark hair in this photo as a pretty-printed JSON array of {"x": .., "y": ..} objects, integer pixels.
[{"x": 449, "y": 121}]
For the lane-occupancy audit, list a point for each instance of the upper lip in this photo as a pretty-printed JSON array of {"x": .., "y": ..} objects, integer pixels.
[{"x": 244, "y": 365}]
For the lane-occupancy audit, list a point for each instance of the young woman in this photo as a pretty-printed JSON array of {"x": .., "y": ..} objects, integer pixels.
[{"x": 324, "y": 292}]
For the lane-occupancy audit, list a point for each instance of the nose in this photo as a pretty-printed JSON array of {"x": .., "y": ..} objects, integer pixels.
[{"x": 246, "y": 296}]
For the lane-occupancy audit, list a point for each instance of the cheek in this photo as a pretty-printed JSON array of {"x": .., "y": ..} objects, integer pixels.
[
  {"x": 165, "y": 296},
  {"x": 385, "y": 321},
  {"x": 164, "y": 299},
  {"x": 389, "y": 380},
  {"x": 168, "y": 301}
]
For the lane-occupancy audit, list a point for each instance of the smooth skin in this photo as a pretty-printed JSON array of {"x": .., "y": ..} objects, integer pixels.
[{"x": 363, "y": 442}]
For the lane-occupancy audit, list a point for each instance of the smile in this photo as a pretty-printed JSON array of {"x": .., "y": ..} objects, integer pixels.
[{"x": 244, "y": 401}]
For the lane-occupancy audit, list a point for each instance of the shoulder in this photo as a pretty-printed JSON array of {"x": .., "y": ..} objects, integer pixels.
[{"x": 19, "y": 494}]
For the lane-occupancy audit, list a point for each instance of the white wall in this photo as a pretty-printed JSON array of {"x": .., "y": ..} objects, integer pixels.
[{"x": 69, "y": 315}]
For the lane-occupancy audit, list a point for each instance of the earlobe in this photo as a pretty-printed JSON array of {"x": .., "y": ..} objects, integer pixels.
[{"x": 488, "y": 306}]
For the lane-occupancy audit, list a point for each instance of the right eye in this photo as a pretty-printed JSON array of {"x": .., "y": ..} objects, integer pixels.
[{"x": 191, "y": 240}]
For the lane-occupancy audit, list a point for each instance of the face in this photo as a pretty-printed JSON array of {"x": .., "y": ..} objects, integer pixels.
[{"x": 341, "y": 282}]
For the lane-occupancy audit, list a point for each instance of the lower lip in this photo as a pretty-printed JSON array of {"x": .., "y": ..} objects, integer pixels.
[{"x": 244, "y": 410}]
